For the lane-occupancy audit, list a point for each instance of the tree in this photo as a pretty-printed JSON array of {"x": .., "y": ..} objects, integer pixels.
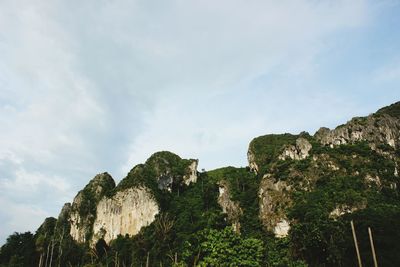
[
  {"x": 19, "y": 250},
  {"x": 226, "y": 248}
]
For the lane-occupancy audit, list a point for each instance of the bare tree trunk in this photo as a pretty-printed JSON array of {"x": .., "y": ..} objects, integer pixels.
[
  {"x": 47, "y": 254},
  {"x": 52, "y": 250},
  {"x": 116, "y": 260},
  {"x": 196, "y": 259},
  {"x": 60, "y": 248},
  {"x": 147, "y": 260},
  {"x": 40, "y": 260},
  {"x": 53, "y": 244}
]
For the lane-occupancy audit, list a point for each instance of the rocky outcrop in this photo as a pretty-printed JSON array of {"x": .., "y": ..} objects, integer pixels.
[
  {"x": 252, "y": 161},
  {"x": 229, "y": 207},
  {"x": 167, "y": 179},
  {"x": 274, "y": 199},
  {"x": 299, "y": 151},
  {"x": 170, "y": 171},
  {"x": 65, "y": 212},
  {"x": 191, "y": 173},
  {"x": 373, "y": 180},
  {"x": 282, "y": 228},
  {"x": 376, "y": 129},
  {"x": 83, "y": 209},
  {"x": 124, "y": 213},
  {"x": 341, "y": 210}
]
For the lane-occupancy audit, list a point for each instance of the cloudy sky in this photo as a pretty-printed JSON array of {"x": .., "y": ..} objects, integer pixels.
[{"x": 94, "y": 86}]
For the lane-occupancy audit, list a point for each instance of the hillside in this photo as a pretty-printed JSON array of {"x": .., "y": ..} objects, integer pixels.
[{"x": 291, "y": 206}]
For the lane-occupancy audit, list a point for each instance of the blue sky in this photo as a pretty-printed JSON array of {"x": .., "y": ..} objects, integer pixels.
[{"x": 94, "y": 86}]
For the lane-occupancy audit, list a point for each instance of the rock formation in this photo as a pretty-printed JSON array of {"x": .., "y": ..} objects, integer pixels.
[
  {"x": 298, "y": 151},
  {"x": 230, "y": 207},
  {"x": 103, "y": 211},
  {"x": 124, "y": 213}
]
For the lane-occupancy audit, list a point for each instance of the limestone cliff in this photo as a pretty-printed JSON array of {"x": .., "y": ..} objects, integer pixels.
[
  {"x": 82, "y": 212},
  {"x": 124, "y": 213},
  {"x": 380, "y": 128}
]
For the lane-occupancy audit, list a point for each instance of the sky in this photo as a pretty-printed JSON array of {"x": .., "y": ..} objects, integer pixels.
[{"x": 99, "y": 85}]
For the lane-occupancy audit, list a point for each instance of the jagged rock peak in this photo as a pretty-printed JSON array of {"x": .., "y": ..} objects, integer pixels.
[
  {"x": 380, "y": 128},
  {"x": 299, "y": 151}
]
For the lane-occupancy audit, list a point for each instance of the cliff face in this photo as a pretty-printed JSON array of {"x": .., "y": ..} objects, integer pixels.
[
  {"x": 82, "y": 212},
  {"x": 124, "y": 213}
]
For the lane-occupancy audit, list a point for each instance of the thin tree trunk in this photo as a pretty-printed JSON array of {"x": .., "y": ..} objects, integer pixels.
[
  {"x": 40, "y": 260},
  {"x": 53, "y": 244},
  {"x": 47, "y": 254},
  {"x": 147, "y": 260},
  {"x": 60, "y": 248},
  {"x": 52, "y": 250}
]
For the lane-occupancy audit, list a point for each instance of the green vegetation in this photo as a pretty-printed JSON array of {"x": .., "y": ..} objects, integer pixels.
[
  {"x": 19, "y": 250},
  {"x": 227, "y": 248}
]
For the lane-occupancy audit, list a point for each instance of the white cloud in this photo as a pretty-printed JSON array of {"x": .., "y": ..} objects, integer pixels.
[{"x": 24, "y": 182}]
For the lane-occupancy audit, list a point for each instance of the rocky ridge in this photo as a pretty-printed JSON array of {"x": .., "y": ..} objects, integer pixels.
[
  {"x": 134, "y": 204},
  {"x": 299, "y": 186}
]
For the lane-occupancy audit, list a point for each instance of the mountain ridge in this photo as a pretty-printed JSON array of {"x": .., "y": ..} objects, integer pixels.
[{"x": 296, "y": 197}]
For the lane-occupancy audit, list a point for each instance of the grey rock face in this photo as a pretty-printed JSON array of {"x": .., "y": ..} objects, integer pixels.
[
  {"x": 229, "y": 207},
  {"x": 375, "y": 129},
  {"x": 299, "y": 151},
  {"x": 274, "y": 198},
  {"x": 82, "y": 211},
  {"x": 252, "y": 161},
  {"x": 165, "y": 182},
  {"x": 124, "y": 213},
  {"x": 191, "y": 173}
]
